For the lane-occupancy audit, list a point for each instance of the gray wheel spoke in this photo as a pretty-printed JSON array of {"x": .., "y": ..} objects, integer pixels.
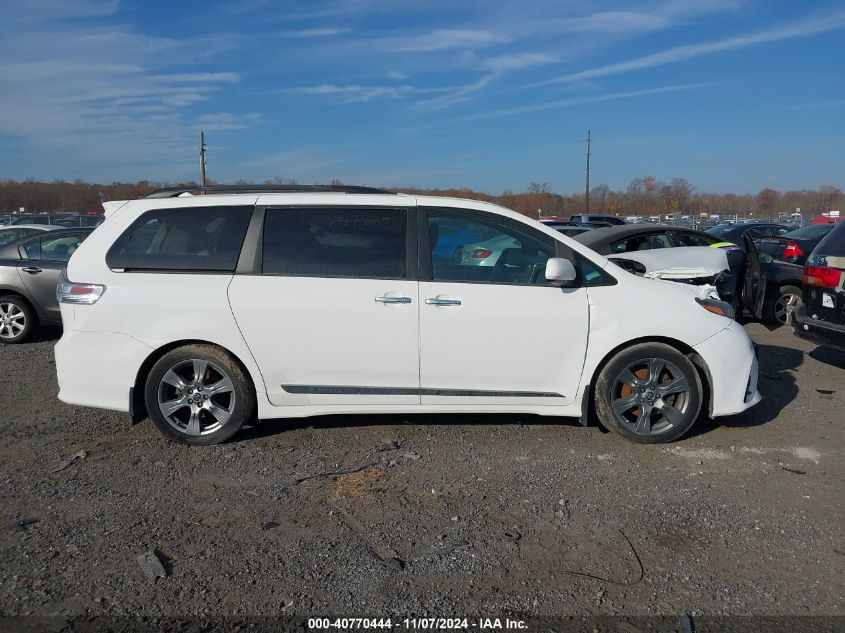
[
  {"x": 200, "y": 367},
  {"x": 672, "y": 415},
  {"x": 173, "y": 380},
  {"x": 220, "y": 414},
  {"x": 194, "y": 427},
  {"x": 677, "y": 385},
  {"x": 221, "y": 386},
  {"x": 626, "y": 377},
  {"x": 172, "y": 406},
  {"x": 644, "y": 422},
  {"x": 655, "y": 368},
  {"x": 622, "y": 405}
]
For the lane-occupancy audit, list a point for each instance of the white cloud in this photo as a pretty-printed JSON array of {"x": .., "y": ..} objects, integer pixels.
[
  {"x": 444, "y": 39},
  {"x": 397, "y": 74},
  {"x": 516, "y": 61},
  {"x": 356, "y": 92},
  {"x": 691, "y": 51},
  {"x": 563, "y": 103},
  {"x": 317, "y": 32}
]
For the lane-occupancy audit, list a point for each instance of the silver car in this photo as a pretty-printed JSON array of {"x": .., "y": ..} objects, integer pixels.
[
  {"x": 29, "y": 271},
  {"x": 17, "y": 231}
]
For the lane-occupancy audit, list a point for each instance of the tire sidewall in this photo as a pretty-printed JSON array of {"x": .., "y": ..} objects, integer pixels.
[
  {"x": 29, "y": 327},
  {"x": 637, "y": 352},
  {"x": 243, "y": 389},
  {"x": 769, "y": 308}
]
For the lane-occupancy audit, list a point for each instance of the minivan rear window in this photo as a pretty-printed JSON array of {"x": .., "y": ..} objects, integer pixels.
[
  {"x": 183, "y": 239},
  {"x": 335, "y": 242}
]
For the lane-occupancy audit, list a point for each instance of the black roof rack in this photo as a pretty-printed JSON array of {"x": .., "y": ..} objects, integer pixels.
[{"x": 173, "y": 192}]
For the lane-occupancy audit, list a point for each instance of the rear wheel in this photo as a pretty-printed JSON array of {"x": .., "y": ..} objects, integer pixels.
[
  {"x": 198, "y": 394},
  {"x": 17, "y": 320},
  {"x": 779, "y": 308},
  {"x": 649, "y": 393}
]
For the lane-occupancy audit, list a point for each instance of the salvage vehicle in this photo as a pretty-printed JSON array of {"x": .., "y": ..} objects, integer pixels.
[
  {"x": 29, "y": 272},
  {"x": 821, "y": 318},
  {"x": 206, "y": 308},
  {"x": 649, "y": 237}
]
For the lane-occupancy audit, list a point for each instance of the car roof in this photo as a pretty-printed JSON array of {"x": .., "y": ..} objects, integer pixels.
[
  {"x": 622, "y": 231},
  {"x": 10, "y": 249}
]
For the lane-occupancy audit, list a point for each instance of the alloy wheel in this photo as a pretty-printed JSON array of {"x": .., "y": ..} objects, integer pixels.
[
  {"x": 650, "y": 396},
  {"x": 12, "y": 320},
  {"x": 196, "y": 397},
  {"x": 785, "y": 306}
]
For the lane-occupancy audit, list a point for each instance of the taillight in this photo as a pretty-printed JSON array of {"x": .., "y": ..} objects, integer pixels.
[
  {"x": 793, "y": 250},
  {"x": 822, "y": 276},
  {"x": 81, "y": 294},
  {"x": 481, "y": 253}
]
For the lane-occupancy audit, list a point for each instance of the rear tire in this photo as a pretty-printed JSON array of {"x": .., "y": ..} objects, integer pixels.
[
  {"x": 649, "y": 393},
  {"x": 778, "y": 309},
  {"x": 17, "y": 320},
  {"x": 199, "y": 395}
]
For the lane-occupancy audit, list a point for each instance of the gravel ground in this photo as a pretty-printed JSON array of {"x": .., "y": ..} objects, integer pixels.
[{"x": 437, "y": 515}]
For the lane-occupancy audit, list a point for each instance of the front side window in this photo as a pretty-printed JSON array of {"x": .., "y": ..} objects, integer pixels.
[
  {"x": 57, "y": 249},
  {"x": 368, "y": 243},
  {"x": 467, "y": 247},
  {"x": 190, "y": 238}
]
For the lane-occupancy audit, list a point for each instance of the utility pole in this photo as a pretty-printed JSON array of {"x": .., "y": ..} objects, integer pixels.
[
  {"x": 587, "y": 188},
  {"x": 202, "y": 158}
]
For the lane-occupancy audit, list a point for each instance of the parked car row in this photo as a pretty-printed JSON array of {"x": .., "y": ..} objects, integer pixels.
[
  {"x": 204, "y": 312},
  {"x": 63, "y": 220}
]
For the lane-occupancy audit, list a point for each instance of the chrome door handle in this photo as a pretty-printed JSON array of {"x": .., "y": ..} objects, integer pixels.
[
  {"x": 434, "y": 301},
  {"x": 390, "y": 299},
  {"x": 32, "y": 270}
]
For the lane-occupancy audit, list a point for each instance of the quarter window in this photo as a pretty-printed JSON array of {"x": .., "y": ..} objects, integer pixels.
[
  {"x": 466, "y": 247},
  {"x": 336, "y": 242},
  {"x": 190, "y": 238}
]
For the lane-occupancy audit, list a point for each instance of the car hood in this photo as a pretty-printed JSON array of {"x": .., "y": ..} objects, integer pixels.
[{"x": 685, "y": 262}]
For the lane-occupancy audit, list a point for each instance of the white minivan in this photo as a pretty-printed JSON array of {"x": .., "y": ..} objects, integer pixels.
[{"x": 205, "y": 309}]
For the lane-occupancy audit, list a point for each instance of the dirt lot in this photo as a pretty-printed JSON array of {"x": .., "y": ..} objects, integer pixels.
[{"x": 437, "y": 515}]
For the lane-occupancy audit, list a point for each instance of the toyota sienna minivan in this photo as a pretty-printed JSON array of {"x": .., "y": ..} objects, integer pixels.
[{"x": 205, "y": 309}]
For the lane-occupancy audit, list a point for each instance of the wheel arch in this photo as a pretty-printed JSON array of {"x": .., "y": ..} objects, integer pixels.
[
  {"x": 685, "y": 349},
  {"x": 137, "y": 407}
]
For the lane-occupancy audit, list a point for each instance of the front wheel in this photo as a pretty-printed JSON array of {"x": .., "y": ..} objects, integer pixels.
[
  {"x": 649, "y": 393},
  {"x": 198, "y": 394}
]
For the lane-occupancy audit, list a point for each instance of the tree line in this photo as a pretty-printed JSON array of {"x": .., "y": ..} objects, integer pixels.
[{"x": 643, "y": 196}]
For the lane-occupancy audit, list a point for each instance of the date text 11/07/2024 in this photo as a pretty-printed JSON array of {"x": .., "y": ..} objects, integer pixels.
[{"x": 418, "y": 624}]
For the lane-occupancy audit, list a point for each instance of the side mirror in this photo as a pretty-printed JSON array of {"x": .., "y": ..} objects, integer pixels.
[{"x": 560, "y": 271}]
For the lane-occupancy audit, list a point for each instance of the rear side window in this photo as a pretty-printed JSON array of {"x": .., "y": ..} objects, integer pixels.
[
  {"x": 57, "y": 249},
  {"x": 695, "y": 239},
  {"x": 190, "y": 238},
  {"x": 336, "y": 242}
]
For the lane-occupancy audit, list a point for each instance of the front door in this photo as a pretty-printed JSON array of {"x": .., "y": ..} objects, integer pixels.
[
  {"x": 492, "y": 330},
  {"x": 42, "y": 261},
  {"x": 330, "y": 315}
]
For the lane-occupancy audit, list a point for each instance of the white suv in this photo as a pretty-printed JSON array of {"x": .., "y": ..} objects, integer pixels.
[{"x": 206, "y": 311}]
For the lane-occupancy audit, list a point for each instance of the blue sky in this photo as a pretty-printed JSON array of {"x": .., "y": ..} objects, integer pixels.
[{"x": 734, "y": 95}]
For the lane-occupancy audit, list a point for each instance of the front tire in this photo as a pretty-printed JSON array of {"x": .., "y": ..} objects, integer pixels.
[
  {"x": 199, "y": 395},
  {"x": 17, "y": 320},
  {"x": 649, "y": 393}
]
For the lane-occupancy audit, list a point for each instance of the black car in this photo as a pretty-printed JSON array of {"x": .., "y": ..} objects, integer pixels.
[
  {"x": 586, "y": 218},
  {"x": 734, "y": 233},
  {"x": 795, "y": 246},
  {"x": 821, "y": 319},
  {"x": 771, "y": 288}
]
